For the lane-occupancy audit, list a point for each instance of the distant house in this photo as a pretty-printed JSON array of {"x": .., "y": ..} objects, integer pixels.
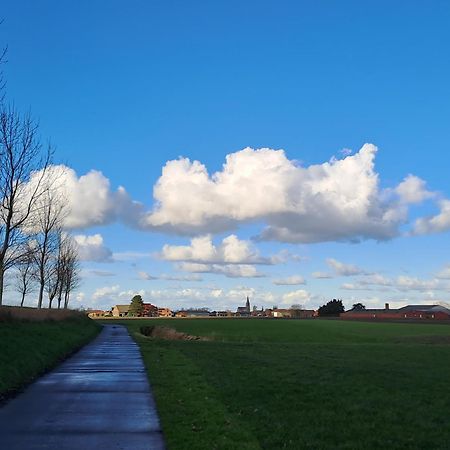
[
  {"x": 192, "y": 313},
  {"x": 303, "y": 313},
  {"x": 418, "y": 312},
  {"x": 149, "y": 310},
  {"x": 164, "y": 312},
  {"x": 94, "y": 313},
  {"x": 281, "y": 313},
  {"x": 120, "y": 310}
]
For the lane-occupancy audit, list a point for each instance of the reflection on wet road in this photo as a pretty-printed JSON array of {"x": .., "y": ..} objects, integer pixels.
[{"x": 99, "y": 398}]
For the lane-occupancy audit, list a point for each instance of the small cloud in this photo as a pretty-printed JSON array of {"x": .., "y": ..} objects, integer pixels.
[
  {"x": 289, "y": 281},
  {"x": 322, "y": 275},
  {"x": 91, "y": 248},
  {"x": 344, "y": 270}
]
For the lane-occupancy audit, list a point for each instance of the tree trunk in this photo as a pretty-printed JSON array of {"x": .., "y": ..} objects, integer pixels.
[
  {"x": 66, "y": 300},
  {"x": 41, "y": 294},
  {"x": 2, "y": 277},
  {"x": 23, "y": 299}
]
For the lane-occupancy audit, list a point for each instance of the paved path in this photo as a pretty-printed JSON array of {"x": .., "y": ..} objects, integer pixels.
[{"x": 98, "y": 399}]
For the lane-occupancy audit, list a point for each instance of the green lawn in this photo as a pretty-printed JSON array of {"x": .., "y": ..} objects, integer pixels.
[
  {"x": 28, "y": 349},
  {"x": 301, "y": 384}
]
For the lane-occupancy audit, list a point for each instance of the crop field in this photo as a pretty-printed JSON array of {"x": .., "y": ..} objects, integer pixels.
[
  {"x": 28, "y": 348},
  {"x": 300, "y": 384}
]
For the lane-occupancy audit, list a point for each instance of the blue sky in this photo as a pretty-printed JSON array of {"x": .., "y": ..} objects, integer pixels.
[{"x": 125, "y": 87}]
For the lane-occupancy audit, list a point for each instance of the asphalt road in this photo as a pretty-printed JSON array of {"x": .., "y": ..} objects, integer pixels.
[{"x": 99, "y": 398}]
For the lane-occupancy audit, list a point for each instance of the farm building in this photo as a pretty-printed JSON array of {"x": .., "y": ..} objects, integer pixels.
[
  {"x": 431, "y": 312},
  {"x": 120, "y": 310}
]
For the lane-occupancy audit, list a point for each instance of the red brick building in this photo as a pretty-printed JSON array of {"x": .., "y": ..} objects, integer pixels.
[{"x": 417, "y": 312}]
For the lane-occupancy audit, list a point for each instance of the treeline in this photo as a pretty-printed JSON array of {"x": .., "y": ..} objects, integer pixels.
[{"x": 36, "y": 252}]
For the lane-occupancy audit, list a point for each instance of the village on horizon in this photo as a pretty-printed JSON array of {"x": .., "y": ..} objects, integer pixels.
[{"x": 332, "y": 308}]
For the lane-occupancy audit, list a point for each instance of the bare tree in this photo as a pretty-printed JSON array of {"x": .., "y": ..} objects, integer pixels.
[
  {"x": 70, "y": 271},
  {"x": 47, "y": 222},
  {"x": 20, "y": 158},
  {"x": 26, "y": 273}
]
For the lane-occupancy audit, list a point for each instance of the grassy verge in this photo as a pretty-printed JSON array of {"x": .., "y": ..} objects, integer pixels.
[
  {"x": 29, "y": 349},
  {"x": 301, "y": 384}
]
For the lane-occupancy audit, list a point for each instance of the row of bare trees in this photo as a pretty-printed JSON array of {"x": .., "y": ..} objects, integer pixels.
[{"x": 33, "y": 244}]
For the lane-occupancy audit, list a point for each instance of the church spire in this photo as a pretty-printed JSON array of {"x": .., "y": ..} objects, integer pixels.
[{"x": 247, "y": 305}]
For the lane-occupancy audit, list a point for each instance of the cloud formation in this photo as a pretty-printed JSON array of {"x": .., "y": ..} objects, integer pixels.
[
  {"x": 228, "y": 270},
  {"x": 344, "y": 270},
  {"x": 88, "y": 198},
  {"x": 91, "y": 248},
  {"x": 435, "y": 224},
  {"x": 289, "y": 281},
  {"x": 337, "y": 200},
  {"x": 232, "y": 250}
]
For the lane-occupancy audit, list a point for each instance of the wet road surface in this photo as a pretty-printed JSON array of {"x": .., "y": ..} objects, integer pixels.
[{"x": 99, "y": 398}]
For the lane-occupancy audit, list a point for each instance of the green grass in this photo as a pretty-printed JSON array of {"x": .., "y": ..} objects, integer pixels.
[
  {"x": 301, "y": 384},
  {"x": 29, "y": 349}
]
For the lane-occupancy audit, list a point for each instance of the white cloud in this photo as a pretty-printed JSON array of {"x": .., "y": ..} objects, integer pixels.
[
  {"x": 344, "y": 270},
  {"x": 435, "y": 224},
  {"x": 88, "y": 198},
  {"x": 413, "y": 190},
  {"x": 229, "y": 270},
  {"x": 148, "y": 277},
  {"x": 444, "y": 273},
  {"x": 106, "y": 292},
  {"x": 400, "y": 283},
  {"x": 289, "y": 281},
  {"x": 91, "y": 248},
  {"x": 322, "y": 275},
  {"x": 337, "y": 200},
  {"x": 299, "y": 296},
  {"x": 232, "y": 250}
]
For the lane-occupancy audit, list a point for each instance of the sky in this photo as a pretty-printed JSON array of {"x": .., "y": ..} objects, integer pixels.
[{"x": 292, "y": 151}]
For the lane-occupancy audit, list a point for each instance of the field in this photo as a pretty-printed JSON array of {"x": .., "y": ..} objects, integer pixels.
[
  {"x": 301, "y": 384},
  {"x": 30, "y": 348}
]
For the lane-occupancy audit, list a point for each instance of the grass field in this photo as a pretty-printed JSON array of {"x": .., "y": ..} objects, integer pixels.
[
  {"x": 28, "y": 349},
  {"x": 301, "y": 384}
]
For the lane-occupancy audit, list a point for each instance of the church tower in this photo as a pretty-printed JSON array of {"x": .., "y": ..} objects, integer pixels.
[{"x": 247, "y": 305}]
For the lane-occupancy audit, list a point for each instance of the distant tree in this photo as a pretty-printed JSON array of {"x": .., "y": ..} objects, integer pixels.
[
  {"x": 297, "y": 306},
  {"x": 358, "y": 307},
  {"x": 332, "y": 308},
  {"x": 136, "y": 306}
]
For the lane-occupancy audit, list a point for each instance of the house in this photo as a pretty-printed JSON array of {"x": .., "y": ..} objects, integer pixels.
[
  {"x": 164, "y": 312},
  {"x": 303, "y": 313},
  {"x": 281, "y": 313},
  {"x": 149, "y": 310},
  {"x": 120, "y": 310},
  {"x": 94, "y": 313},
  {"x": 193, "y": 313},
  {"x": 417, "y": 312}
]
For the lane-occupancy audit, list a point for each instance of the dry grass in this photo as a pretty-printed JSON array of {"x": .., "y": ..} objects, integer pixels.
[
  {"x": 8, "y": 313},
  {"x": 169, "y": 334}
]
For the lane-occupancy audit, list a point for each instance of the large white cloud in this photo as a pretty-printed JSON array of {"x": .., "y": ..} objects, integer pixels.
[{"x": 336, "y": 200}]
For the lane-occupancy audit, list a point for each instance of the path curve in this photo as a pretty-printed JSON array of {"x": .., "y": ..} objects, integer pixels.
[{"x": 99, "y": 398}]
